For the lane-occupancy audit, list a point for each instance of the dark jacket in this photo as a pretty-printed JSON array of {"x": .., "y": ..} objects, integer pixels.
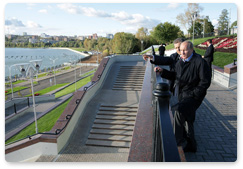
[
  {"x": 193, "y": 78},
  {"x": 171, "y": 61},
  {"x": 208, "y": 56},
  {"x": 161, "y": 51}
]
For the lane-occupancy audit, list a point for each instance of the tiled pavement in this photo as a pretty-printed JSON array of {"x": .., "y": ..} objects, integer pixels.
[{"x": 216, "y": 127}]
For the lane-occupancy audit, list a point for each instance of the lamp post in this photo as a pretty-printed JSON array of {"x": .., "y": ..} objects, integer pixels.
[
  {"x": 74, "y": 73},
  {"x": 53, "y": 63},
  {"x": 22, "y": 68},
  {"x": 36, "y": 64},
  {"x": 194, "y": 17},
  {"x": 31, "y": 73}
]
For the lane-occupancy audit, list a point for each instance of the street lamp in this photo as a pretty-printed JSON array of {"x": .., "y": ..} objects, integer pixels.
[
  {"x": 36, "y": 64},
  {"x": 74, "y": 73},
  {"x": 53, "y": 62},
  {"x": 22, "y": 67},
  {"x": 31, "y": 73},
  {"x": 194, "y": 17}
]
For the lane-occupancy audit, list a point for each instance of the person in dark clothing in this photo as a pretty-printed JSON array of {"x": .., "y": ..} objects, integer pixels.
[
  {"x": 192, "y": 79},
  {"x": 171, "y": 61},
  {"x": 208, "y": 56},
  {"x": 162, "y": 50}
]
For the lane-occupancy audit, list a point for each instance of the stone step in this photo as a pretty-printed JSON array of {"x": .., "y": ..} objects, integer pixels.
[
  {"x": 109, "y": 137},
  {"x": 118, "y": 122},
  {"x": 127, "y": 85},
  {"x": 130, "y": 74},
  {"x": 119, "y": 106},
  {"x": 118, "y": 109},
  {"x": 108, "y": 117},
  {"x": 102, "y": 143},
  {"x": 112, "y": 127},
  {"x": 116, "y": 113},
  {"x": 129, "y": 82},
  {"x": 111, "y": 132},
  {"x": 129, "y": 89}
]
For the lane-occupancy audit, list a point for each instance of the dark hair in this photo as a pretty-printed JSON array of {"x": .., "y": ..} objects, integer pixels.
[
  {"x": 209, "y": 40},
  {"x": 178, "y": 40}
]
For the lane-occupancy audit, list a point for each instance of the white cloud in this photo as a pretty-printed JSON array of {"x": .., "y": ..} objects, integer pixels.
[
  {"x": 135, "y": 20},
  {"x": 14, "y": 22},
  {"x": 31, "y": 24},
  {"x": 173, "y": 5},
  {"x": 43, "y": 11},
  {"x": 69, "y": 8}
]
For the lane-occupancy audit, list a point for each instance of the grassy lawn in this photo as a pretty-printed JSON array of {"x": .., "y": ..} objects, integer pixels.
[
  {"x": 220, "y": 58},
  {"x": 44, "y": 124},
  {"x": 71, "y": 88},
  {"x": 16, "y": 89},
  {"x": 49, "y": 89}
]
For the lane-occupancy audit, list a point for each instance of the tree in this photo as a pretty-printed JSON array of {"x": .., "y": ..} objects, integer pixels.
[
  {"x": 142, "y": 36},
  {"x": 223, "y": 20},
  {"x": 165, "y": 32},
  {"x": 233, "y": 24},
  {"x": 199, "y": 24},
  {"x": 186, "y": 19},
  {"x": 208, "y": 25},
  {"x": 123, "y": 43}
]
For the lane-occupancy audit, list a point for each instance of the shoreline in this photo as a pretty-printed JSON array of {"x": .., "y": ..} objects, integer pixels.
[{"x": 85, "y": 54}]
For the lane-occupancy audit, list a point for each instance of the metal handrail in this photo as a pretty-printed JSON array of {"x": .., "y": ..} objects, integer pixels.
[{"x": 165, "y": 147}]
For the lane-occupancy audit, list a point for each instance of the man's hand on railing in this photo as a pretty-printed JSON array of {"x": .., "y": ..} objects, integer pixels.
[
  {"x": 146, "y": 57},
  {"x": 158, "y": 69}
]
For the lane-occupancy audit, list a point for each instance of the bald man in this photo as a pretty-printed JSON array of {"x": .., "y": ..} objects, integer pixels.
[{"x": 192, "y": 79}]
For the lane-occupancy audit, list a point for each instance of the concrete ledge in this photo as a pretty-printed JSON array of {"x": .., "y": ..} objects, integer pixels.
[
  {"x": 141, "y": 149},
  {"x": 226, "y": 77},
  {"x": 230, "y": 68}
]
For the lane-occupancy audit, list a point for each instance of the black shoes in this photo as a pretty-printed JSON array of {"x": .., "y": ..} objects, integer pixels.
[{"x": 191, "y": 146}]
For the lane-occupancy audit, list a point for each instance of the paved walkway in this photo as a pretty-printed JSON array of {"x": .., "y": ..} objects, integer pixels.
[{"x": 216, "y": 127}]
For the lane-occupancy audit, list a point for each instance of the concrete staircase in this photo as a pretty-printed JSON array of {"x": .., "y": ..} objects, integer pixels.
[
  {"x": 113, "y": 126},
  {"x": 129, "y": 78}
]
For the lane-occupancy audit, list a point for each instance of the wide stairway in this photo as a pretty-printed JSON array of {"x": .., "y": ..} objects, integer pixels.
[{"x": 104, "y": 132}]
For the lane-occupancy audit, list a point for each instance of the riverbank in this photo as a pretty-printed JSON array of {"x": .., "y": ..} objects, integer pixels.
[{"x": 82, "y": 53}]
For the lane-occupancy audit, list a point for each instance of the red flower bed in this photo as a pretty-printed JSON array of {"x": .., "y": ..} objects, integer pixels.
[
  {"x": 37, "y": 94},
  {"x": 223, "y": 44}
]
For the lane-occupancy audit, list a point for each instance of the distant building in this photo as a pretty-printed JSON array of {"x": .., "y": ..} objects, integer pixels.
[
  {"x": 43, "y": 35},
  {"x": 81, "y": 37},
  {"x": 109, "y": 36},
  {"x": 33, "y": 40},
  {"x": 95, "y": 36},
  {"x": 34, "y": 37},
  {"x": 24, "y": 33}
]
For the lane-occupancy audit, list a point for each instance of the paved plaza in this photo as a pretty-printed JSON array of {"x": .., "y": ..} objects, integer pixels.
[{"x": 216, "y": 127}]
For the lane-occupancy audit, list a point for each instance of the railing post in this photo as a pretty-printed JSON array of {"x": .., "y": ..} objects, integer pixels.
[
  {"x": 15, "y": 108},
  {"x": 169, "y": 150}
]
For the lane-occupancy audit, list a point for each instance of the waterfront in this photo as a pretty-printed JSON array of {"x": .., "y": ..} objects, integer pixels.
[{"x": 25, "y": 55}]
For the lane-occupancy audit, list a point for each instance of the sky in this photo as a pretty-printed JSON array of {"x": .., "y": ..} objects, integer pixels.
[{"x": 102, "y": 18}]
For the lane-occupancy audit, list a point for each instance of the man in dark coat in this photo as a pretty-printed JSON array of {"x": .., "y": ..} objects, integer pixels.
[
  {"x": 162, "y": 50},
  {"x": 192, "y": 79},
  {"x": 208, "y": 56}
]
